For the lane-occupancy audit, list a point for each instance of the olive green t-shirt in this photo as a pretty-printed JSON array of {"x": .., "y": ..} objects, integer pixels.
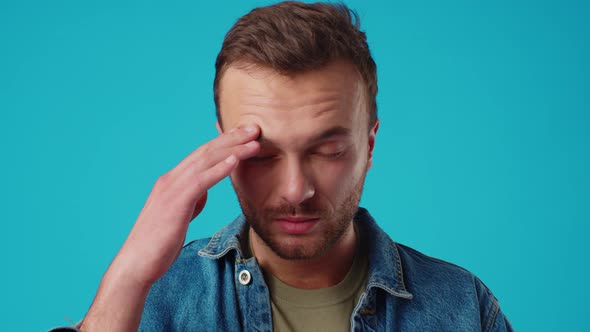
[{"x": 324, "y": 309}]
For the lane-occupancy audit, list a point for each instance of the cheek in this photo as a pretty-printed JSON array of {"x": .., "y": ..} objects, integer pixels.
[
  {"x": 251, "y": 182},
  {"x": 335, "y": 178},
  {"x": 332, "y": 173}
]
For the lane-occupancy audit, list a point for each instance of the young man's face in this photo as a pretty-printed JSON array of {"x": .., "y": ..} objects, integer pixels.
[{"x": 301, "y": 191}]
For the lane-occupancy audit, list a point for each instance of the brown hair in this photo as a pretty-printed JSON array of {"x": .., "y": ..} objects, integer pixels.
[{"x": 293, "y": 37}]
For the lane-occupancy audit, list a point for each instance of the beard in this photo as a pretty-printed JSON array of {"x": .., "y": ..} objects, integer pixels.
[{"x": 333, "y": 222}]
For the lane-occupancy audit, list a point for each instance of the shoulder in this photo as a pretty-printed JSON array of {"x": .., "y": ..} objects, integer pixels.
[
  {"x": 190, "y": 273},
  {"x": 432, "y": 280},
  {"x": 191, "y": 282},
  {"x": 419, "y": 264},
  {"x": 190, "y": 265},
  {"x": 425, "y": 272},
  {"x": 204, "y": 262}
]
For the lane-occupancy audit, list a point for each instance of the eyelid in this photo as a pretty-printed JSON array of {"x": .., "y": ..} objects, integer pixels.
[
  {"x": 328, "y": 149},
  {"x": 334, "y": 155},
  {"x": 332, "y": 146},
  {"x": 261, "y": 157}
]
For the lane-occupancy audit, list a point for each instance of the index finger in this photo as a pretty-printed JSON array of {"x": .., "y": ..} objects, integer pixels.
[{"x": 234, "y": 137}]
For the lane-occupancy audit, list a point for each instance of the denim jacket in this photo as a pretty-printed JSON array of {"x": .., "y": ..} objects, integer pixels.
[{"x": 206, "y": 289}]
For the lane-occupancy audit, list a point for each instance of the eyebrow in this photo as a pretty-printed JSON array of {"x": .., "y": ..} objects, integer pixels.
[{"x": 333, "y": 132}]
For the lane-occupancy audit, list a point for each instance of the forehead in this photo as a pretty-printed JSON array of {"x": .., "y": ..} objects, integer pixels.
[{"x": 289, "y": 106}]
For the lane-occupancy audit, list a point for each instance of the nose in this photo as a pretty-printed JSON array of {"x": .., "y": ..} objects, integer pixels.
[{"x": 297, "y": 185}]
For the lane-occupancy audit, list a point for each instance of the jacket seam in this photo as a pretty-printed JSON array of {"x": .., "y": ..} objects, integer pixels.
[
  {"x": 400, "y": 272},
  {"x": 493, "y": 316}
]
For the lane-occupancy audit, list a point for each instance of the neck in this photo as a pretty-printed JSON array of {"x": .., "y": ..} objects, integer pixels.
[{"x": 321, "y": 272}]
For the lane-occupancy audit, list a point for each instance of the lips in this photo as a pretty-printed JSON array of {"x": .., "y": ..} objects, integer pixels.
[{"x": 297, "y": 225}]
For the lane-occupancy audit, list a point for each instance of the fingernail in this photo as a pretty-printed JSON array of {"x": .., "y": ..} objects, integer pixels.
[
  {"x": 251, "y": 144},
  {"x": 231, "y": 159},
  {"x": 249, "y": 129}
]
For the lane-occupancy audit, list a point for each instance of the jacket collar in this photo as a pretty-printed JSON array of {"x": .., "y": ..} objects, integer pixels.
[
  {"x": 226, "y": 239},
  {"x": 385, "y": 266}
]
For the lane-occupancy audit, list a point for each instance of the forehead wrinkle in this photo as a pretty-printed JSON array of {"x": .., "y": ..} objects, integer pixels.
[
  {"x": 332, "y": 132},
  {"x": 322, "y": 102}
]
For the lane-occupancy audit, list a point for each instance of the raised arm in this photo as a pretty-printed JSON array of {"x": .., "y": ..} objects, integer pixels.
[{"x": 159, "y": 233}]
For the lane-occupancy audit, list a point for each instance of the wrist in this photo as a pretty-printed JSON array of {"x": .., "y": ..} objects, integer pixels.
[
  {"x": 118, "y": 303},
  {"x": 124, "y": 276}
]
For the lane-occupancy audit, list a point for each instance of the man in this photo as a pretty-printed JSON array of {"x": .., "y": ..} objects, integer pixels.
[{"x": 295, "y": 92}]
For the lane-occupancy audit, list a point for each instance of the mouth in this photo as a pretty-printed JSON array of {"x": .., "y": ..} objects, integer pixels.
[{"x": 297, "y": 225}]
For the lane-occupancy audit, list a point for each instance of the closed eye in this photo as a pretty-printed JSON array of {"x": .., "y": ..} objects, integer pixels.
[
  {"x": 261, "y": 158},
  {"x": 332, "y": 155}
]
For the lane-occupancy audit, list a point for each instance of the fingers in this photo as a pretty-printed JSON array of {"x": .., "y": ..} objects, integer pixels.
[
  {"x": 230, "y": 139},
  {"x": 200, "y": 183},
  {"x": 241, "y": 152},
  {"x": 236, "y": 136},
  {"x": 187, "y": 175},
  {"x": 213, "y": 161}
]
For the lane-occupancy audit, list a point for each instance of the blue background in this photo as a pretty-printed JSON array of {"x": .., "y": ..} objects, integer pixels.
[{"x": 481, "y": 158}]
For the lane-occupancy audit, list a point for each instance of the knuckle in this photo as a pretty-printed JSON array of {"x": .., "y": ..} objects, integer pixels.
[
  {"x": 203, "y": 150},
  {"x": 162, "y": 181},
  {"x": 199, "y": 184},
  {"x": 204, "y": 159}
]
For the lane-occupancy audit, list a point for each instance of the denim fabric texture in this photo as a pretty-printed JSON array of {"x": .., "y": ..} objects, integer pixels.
[{"x": 406, "y": 290}]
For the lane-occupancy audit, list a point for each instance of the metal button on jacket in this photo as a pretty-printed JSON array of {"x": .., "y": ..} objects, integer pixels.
[{"x": 244, "y": 277}]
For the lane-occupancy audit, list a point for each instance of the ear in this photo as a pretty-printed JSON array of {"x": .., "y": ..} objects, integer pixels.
[
  {"x": 372, "y": 135},
  {"x": 218, "y": 126}
]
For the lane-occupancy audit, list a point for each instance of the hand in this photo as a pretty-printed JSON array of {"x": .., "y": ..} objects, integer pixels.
[
  {"x": 178, "y": 197},
  {"x": 160, "y": 230}
]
